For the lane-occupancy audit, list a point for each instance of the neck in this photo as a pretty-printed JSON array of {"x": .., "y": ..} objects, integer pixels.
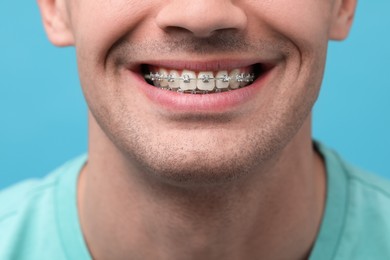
[{"x": 124, "y": 214}]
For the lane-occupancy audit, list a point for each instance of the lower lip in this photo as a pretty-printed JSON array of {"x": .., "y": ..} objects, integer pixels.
[{"x": 215, "y": 102}]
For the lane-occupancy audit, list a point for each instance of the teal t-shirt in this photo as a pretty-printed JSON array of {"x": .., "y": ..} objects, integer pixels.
[{"x": 39, "y": 218}]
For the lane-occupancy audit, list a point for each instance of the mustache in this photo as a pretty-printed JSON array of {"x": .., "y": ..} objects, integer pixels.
[{"x": 220, "y": 42}]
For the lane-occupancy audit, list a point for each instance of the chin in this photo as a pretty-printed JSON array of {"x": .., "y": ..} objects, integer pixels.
[{"x": 204, "y": 162}]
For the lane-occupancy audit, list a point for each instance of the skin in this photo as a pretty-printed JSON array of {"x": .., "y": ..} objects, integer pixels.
[{"x": 244, "y": 183}]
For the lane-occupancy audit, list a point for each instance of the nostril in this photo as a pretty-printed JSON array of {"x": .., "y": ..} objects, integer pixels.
[
  {"x": 176, "y": 30},
  {"x": 198, "y": 19},
  {"x": 180, "y": 31}
]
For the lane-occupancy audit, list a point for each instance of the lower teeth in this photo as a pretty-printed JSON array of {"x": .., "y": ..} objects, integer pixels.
[{"x": 242, "y": 79}]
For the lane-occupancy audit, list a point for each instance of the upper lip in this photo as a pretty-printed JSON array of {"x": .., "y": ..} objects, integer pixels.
[{"x": 204, "y": 65}]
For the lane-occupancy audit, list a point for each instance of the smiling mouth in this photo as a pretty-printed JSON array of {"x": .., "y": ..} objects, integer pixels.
[{"x": 203, "y": 82}]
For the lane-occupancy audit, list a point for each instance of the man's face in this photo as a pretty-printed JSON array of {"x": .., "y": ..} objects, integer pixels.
[{"x": 205, "y": 137}]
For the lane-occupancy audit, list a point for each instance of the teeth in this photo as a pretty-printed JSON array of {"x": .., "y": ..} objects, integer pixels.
[
  {"x": 163, "y": 81},
  {"x": 205, "y": 82},
  {"x": 188, "y": 80},
  {"x": 234, "y": 75},
  {"x": 171, "y": 78},
  {"x": 224, "y": 79},
  {"x": 247, "y": 79}
]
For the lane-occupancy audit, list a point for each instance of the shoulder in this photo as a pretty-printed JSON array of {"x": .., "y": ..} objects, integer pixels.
[
  {"x": 15, "y": 198},
  {"x": 26, "y": 212},
  {"x": 368, "y": 191},
  {"x": 368, "y": 181},
  {"x": 367, "y": 222},
  {"x": 28, "y": 219},
  {"x": 366, "y": 229}
]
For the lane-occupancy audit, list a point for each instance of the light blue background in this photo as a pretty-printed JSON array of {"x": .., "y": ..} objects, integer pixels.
[{"x": 43, "y": 115}]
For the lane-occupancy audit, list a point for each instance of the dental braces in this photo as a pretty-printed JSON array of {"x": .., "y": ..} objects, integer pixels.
[{"x": 247, "y": 78}]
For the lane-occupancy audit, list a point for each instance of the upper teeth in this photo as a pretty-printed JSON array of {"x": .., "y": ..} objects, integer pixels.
[{"x": 204, "y": 82}]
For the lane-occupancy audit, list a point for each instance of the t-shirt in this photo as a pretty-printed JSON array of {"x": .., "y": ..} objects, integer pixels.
[{"x": 39, "y": 218}]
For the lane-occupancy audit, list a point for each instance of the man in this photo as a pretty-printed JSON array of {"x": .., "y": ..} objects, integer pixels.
[{"x": 200, "y": 140}]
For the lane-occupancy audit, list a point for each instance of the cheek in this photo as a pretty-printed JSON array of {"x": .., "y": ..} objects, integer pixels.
[
  {"x": 98, "y": 24},
  {"x": 304, "y": 22}
]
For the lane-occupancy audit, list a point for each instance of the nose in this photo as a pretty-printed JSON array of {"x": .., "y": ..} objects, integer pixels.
[{"x": 202, "y": 18}]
